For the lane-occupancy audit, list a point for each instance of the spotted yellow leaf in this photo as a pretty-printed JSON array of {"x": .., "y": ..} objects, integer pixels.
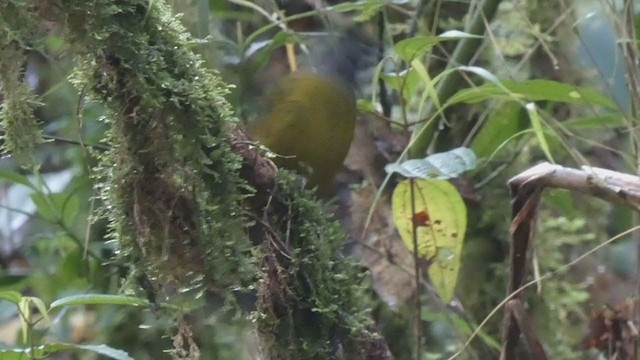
[{"x": 440, "y": 222}]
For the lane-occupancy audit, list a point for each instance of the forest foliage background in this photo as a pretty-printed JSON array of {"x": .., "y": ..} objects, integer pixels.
[{"x": 517, "y": 82}]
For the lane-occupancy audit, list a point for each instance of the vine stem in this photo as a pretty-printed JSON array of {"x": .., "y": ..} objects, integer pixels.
[{"x": 416, "y": 258}]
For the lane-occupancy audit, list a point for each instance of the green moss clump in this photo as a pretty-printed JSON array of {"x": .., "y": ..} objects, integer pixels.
[
  {"x": 21, "y": 131},
  {"x": 169, "y": 181},
  {"x": 308, "y": 292}
]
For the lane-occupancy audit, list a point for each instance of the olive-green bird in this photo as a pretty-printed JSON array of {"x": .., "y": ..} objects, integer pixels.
[{"x": 311, "y": 117}]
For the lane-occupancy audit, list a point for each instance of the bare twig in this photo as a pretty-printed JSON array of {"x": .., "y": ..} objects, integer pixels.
[
  {"x": 533, "y": 342},
  {"x": 526, "y": 191},
  {"x": 608, "y": 185}
]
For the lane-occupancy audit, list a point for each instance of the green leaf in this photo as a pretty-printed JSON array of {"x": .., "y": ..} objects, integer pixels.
[
  {"x": 15, "y": 178},
  {"x": 444, "y": 165},
  {"x": 538, "y": 90},
  {"x": 406, "y": 82},
  {"x": 483, "y": 73},
  {"x": 69, "y": 206},
  {"x": 57, "y": 207},
  {"x": 49, "y": 349},
  {"x": 24, "y": 307},
  {"x": 11, "y": 296},
  {"x": 536, "y": 124},
  {"x": 264, "y": 51},
  {"x": 45, "y": 207},
  {"x": 480, "y": 93},
  {"x": 429, "y": 86},
  {"x": 533, "y": 90},
  {"x": 611, "y": 121},
  {"x": 507, "y": 120},
  {"x": 39, "y": 304},
  {"x": 99, "y": 299},
  {"x": 415, "y": 47},
  {"x": 365, "y": 105},
  {"x": 439, "y": 221},
  {"x": 7, "y": 279}
]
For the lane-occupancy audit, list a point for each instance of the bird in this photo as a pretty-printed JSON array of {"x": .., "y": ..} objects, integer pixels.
[{"x": 311, "y": 116}]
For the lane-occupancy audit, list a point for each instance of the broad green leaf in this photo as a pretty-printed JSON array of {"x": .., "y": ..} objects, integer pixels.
[
  {"x": 444, "y": 165},
  {"x": 536, "y": 124},
  {"x": 99, "y": 299},
  {"x": 440, "y": 222},
  {"x": 504, "y": 122},
  {"x": 538, "y": 90},
  {"x": 45, "y": 351},
  {"x": 533, "y": 90}
]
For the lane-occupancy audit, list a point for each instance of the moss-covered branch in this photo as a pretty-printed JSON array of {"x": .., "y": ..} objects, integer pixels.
[{"x": 21, "y": 133}]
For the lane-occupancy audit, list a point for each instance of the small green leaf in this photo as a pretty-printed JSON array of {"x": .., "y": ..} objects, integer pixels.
[
  {"x": 39, "y": 304},
  {"x": 365, "y": 106},
  {"x": 263, "y": 51},
  {"x": 429, "y": 86},
  {"x": 99, "y": 299},
  {"x": 444, "y": 165},
  {"x": 536, "y": 124},
  {"x": 405, "y": 82}
]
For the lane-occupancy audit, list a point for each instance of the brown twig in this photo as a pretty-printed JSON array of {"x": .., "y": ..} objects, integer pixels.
[{"x": 526, "y": 191}]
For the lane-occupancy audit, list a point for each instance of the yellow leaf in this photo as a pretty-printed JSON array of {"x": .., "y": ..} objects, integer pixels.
[{"x": 440, "y": 222}]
